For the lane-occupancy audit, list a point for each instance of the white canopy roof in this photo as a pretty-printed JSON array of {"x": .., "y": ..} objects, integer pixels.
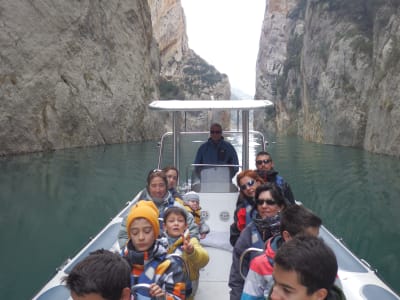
[{"x": 199, "y": 105}]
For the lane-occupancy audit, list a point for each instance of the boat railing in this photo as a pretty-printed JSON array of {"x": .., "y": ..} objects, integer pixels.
[
  {"x": 138, "y": 286},
  {"x": 142, "y": 286},
  {"x": 246, "y": 252}
]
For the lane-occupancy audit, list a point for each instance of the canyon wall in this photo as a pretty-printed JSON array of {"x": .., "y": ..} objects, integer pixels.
[
  {"x": 76, "y": 73},
  {"x": 335, "y": 80},
  {"x": 82, "y": 73}
]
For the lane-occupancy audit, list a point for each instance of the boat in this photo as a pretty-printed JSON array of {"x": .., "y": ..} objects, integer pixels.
[{"x": 218, "y": 196}]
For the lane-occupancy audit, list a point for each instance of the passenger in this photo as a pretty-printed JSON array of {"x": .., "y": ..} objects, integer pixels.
[
  {"x": 247, "y": 181},
  {"x": 192, "y": 204},
  {"x": 295, "y": 220},
  {"x": 147, "y": 256},
  {"x": 101, "y": 275},
  {"x": 265, "y": 224},
  {"x": 305, "y": 268},
  {"x": 172, "y": 174},
  {"x": 265, "y": 168},
  {"x": 156, "y": 191},
  {"x": 192, "y": 252},
  {"x": 217, "y": 151}
]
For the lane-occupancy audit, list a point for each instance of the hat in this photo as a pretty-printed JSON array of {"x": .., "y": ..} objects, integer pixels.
[
  {"x": 147, "y": 210},
  {"x": 191, "y": 196}
]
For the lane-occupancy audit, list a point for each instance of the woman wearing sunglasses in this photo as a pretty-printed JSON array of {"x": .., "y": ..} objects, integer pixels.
[
  {"x": 247, "y": 181},
  {"x": 265, "y": 223}
]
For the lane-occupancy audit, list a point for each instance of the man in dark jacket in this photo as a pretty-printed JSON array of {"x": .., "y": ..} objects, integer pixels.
[
  {"x": 265, "y": 169},
  {"x": 217, "y": 151}
]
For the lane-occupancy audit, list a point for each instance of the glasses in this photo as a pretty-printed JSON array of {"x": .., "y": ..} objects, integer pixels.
[
  {"x": 265, "y": 201},
  {"x": 249, "y": 183},
  {"x": 263, "y": 161},
  {"x": 154, "y": 173},
  {"x": 215, "y": 131}
]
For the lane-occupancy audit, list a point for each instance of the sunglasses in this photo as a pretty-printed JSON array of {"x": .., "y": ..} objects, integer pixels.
[
  {"x": 265, "y": 201},
  {"x": 265, "y": 161},
  {"x": 215, "y": 131},
  {"x": 249, "y": 183}
]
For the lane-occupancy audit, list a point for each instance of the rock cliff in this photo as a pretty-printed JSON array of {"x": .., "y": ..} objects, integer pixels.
[
  {"x": 81, "y": 73},
  {"x": 75, "y": 73},
  {"x": 184, "y": 74},
  {"x": 335, "y": 79}
]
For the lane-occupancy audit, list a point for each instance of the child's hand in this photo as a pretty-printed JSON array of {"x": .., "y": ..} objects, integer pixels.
[
  {"x": 187, "y": 246},
  {"x": 203, "y": 235},
  {"x": 155, "y": 290}
]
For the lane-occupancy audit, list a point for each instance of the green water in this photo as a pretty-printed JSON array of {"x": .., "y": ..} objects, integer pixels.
[{"x": 50, "y": 204}]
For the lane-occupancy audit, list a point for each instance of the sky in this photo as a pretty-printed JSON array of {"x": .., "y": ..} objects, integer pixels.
[{"x": 226, "y": 34}]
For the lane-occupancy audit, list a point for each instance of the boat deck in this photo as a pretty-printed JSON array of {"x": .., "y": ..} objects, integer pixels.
[{"x": 213, "y": 278}]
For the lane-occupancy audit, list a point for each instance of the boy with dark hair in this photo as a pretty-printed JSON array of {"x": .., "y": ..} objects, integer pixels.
[
  {"x": 305, "y": 269},
  {"x": 101, "y": 275},
  {"x": 295, "y": 220}
]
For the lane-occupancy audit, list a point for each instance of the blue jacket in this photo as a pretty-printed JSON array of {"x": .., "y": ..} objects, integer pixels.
[{"x": 217, "y": 153}]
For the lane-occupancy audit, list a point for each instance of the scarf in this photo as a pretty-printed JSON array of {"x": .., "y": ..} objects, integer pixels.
[{"x": 267, "y": 227}]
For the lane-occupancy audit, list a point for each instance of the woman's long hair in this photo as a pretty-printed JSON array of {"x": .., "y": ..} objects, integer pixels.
[{"x": 249, "y": 173}]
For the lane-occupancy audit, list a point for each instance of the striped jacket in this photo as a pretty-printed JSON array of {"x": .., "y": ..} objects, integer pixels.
[{"x": 154, "y": 266}]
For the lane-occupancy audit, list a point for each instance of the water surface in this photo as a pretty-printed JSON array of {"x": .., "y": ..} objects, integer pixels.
[{"x": 51, "y": 203}]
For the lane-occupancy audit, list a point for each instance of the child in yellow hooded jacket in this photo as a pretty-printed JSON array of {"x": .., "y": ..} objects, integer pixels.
[{"x": 179, "y": 241}]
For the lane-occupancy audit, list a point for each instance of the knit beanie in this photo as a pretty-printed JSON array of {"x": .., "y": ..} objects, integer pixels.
[
  {"x": 147, "y": 210},
  {"x": 191, "y": 196}
]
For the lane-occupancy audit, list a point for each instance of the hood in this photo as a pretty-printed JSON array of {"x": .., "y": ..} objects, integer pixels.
[{"x": 272, "y": 245}]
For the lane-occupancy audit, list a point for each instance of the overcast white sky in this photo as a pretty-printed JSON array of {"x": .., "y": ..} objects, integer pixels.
[{"x": 226, "y": 34}]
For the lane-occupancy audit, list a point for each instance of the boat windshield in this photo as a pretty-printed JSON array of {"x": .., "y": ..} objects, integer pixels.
[{"x": 206, "y": 177}]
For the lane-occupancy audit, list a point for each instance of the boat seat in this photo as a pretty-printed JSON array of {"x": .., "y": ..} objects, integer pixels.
[{"x": 215, "y": 179}]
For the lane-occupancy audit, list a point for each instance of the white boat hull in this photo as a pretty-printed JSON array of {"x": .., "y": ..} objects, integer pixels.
[{"x": 357, "y": 280}]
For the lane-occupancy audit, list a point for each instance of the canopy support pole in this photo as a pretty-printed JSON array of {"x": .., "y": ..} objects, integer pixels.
[{"x": 245, "y": 145}]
